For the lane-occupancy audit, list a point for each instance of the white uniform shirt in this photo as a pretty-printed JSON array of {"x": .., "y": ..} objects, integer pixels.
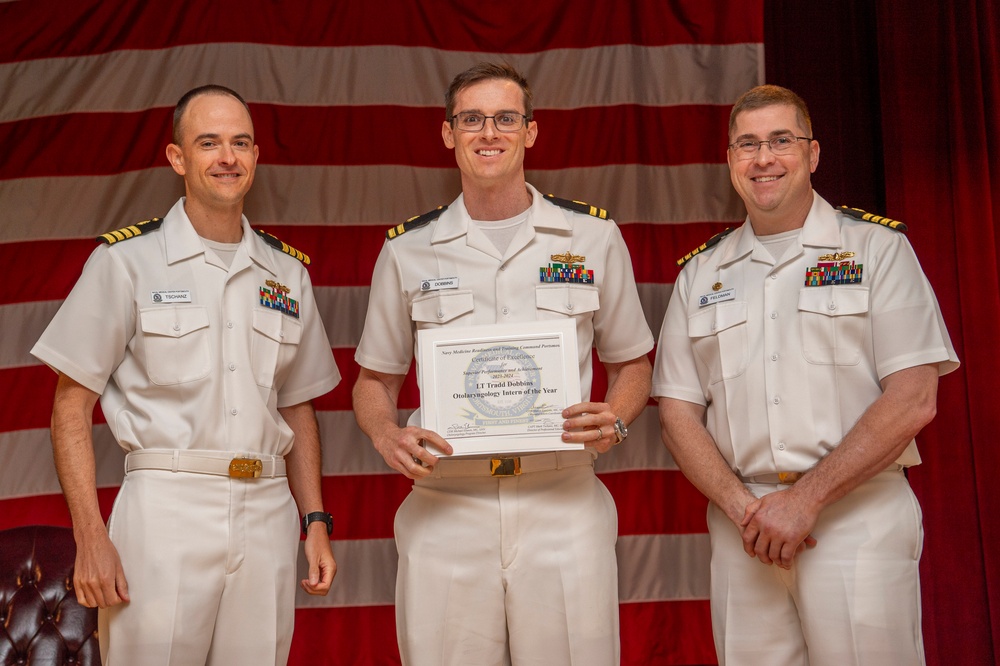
[
  {"x": 787, "y": 369},
  {"x": 182, "y": 351},
  {"x": 495, "y": 289}
]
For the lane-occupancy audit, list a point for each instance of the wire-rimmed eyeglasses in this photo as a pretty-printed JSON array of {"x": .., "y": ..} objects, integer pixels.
[
  {"x": 473, "y": 121},
  {"x": 779, "y": 145}
]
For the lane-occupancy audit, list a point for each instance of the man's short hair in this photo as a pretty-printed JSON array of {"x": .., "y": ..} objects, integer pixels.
[
  {"x": 210, "y": 89},
  {"x": 770, "y": 95},
  {"x": 486, "y": 71}
]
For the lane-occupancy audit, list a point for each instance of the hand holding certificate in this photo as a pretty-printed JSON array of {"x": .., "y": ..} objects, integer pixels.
[{"x": 499, "y": 389}]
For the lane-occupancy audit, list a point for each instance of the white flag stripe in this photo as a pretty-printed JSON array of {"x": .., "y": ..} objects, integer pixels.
[
  {"x": 643, "y": 560},
  {"x": 135, "y": 80},
  {"x": 30, "y": 470},
  {"x": 36, "y": 208},
  {"x": 366, "y": 571}
]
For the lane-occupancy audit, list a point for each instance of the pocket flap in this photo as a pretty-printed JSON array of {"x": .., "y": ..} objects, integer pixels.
[
  {"x": 717, "y": 318},
  {"x": 442, "y": 306},
  {"x": 834, "y": 300},
  {"x": 173, "y": 321},
  {"x": 567, "y": 299},
  {"x": 277, "y": 326}
]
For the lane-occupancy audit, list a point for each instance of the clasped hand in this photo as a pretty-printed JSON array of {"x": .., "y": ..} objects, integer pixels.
[{"x": 777, "y": 527}]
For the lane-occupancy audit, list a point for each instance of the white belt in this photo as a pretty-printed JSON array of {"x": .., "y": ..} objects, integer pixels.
[
  {"x": 512, "y": 465},
  {"x": 219, "y": 463}
]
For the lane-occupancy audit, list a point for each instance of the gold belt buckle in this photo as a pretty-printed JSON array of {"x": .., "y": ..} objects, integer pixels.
[
  {"x": 245, "y": 468},
  {"x": 789, "y": 477},
  {"x": 505, "y": 466}
]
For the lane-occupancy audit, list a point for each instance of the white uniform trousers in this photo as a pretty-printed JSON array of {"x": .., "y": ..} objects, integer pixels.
[
  {"x": 853, "y": 599},
  {"x": 211, "y": 568},
  {"x": 516, "y": 570}
]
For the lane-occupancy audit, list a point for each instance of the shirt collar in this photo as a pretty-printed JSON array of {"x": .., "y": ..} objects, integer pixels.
[
  {"x": 183, "y": 242},
  {"x": 819, "y": 230},
  {"x": 454, "y": 222}
]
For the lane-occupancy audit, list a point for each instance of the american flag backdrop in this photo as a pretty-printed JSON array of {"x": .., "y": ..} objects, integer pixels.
[{"x": 632, "y": 103}]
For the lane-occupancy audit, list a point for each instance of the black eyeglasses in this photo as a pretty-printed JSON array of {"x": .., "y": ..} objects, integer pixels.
[
  {"x": 779, "y": 145},
  {"x": 473, "y": 121}
]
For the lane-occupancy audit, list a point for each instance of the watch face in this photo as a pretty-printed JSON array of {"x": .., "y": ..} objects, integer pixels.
[{"x": 621, "y": 432}]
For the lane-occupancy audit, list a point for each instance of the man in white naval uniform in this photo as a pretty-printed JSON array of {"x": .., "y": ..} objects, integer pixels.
[
  {"x": 202, "y": 339},
  {"x": 503, "y": 560},
  {"x": 798, "y": 358}
]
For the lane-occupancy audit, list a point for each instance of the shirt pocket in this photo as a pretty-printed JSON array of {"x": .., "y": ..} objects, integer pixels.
[
  {"x": 719, "y": 339},
  {"x": 833, "y": 321},
  {"x": 275, "y": 341},
  {"x": 452, "y": 306},
  {"x": 176, "y": 344},
  {"x": 566, "y": 300}
]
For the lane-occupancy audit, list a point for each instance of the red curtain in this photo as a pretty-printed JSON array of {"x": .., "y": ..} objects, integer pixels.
[
  {"x": 905, "y": 100},
  {"x": 939, "y": 69}
]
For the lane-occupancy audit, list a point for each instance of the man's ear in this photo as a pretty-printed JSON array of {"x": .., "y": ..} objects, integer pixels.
[
  {"x": 448, "y": 135},
  {"x": 176, "y": 158}
]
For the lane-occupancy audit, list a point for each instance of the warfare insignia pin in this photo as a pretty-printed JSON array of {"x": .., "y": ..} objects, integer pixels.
[
  {"x": 566, "y": 267},
  {"x": 836, "y": 256},
  {"x": 568, "y": 258}
]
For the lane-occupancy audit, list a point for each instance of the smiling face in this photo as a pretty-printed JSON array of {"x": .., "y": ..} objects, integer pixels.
[
  {"x": 216, "y": 155},
  {"x": 776, "y": 189},
  {"x": 489, "y": 158}
]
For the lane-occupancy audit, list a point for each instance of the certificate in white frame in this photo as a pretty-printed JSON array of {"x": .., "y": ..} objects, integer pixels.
[{"x": 499, "y": 389}]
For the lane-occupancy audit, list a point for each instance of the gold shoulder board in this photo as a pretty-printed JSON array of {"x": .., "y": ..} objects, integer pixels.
[
  {"x": 132, "y": 231},
  {"x": 714, "y": 240},
  {"x": 415, "y": 222},
  {"x": 278, "y": 244},
  {"x": 578, "y": 206},
  {"x": 859, "y": 214}
]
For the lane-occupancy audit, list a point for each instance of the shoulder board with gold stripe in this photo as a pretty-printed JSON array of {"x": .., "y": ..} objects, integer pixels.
[
  {"x": 578, "y": 206},
  {"x": 415, "y": 222},
  {"x": 859, "y": 214},
  {"x": 125, "y": 233},
  {"x": 278, "y": 244},
  {"x": 714, "y": 240}
]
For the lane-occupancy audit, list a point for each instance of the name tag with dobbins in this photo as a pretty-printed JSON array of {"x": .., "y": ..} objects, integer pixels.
[
  {"x": 172, "y": 296},
  {"x": 433, "y": 284},
  {"x": 717, "y": 297}
]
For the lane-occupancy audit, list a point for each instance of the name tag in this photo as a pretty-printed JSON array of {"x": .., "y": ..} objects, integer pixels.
[
  {"x": 717, "y": 297},
  {"x": 172, "y": 296},
  {"x": 434, "y": 284}
]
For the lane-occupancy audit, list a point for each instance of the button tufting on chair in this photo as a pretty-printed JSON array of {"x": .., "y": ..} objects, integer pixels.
[{"x": 40, "y": 620}]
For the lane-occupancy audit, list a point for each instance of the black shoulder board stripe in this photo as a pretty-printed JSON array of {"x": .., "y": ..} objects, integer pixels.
[
  {"x": 578, "y": 206},
  {"x": 859, "y": 214},
  {"x": 278, "y": 244},
  {"x": 714, "y": 240},
  {"x": 125, "y": 233},
  {"x": 415, "y": 222}
]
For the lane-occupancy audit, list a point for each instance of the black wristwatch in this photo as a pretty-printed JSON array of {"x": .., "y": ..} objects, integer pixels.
[
  {"x": 621, "y": 432},
  {"x": 318, "y": 516}
]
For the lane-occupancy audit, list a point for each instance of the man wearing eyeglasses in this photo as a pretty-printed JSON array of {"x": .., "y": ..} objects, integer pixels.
[
  {"x": 503, "y": 559},
  {"x": 798, "y": 358}
]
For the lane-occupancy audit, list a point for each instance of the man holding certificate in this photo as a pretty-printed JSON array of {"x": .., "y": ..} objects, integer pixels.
[{"x": 507, "y": 541}]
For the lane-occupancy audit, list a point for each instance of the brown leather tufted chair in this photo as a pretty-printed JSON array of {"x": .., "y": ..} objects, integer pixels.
[{"x": 40, "y": 620}]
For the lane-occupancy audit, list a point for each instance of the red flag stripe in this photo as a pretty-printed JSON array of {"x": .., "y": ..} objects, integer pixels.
[
  {"x": 83, "y": 29},
  {"x": 359, "y": 135}
]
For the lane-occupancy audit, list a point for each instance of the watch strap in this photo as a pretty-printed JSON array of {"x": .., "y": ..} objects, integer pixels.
[{"x": 318, "y": 516}]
